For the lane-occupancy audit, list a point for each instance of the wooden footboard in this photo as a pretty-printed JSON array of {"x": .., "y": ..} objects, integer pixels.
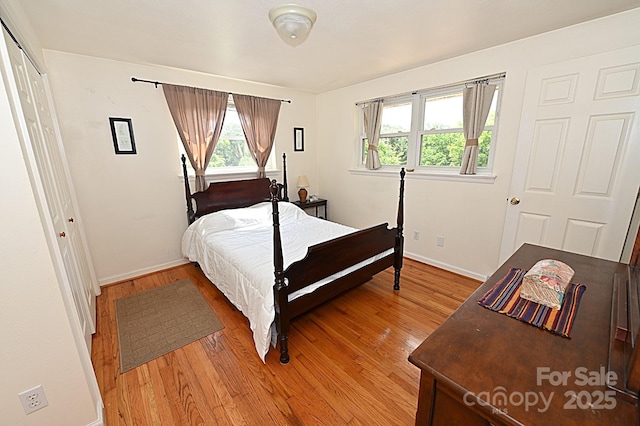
[
  {"x": 328, "y": 258},
  {"x": 338, "y": 254}
]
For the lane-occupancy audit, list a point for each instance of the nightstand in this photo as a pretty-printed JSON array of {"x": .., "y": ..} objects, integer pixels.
[{"x": 307, "y": 205}]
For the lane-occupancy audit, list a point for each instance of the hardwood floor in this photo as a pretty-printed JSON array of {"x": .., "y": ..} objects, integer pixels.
[{"x": 348, "y": 358}]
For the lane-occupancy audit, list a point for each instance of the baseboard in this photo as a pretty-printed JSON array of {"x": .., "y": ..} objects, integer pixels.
[
  {"x": 139, "y": 272},
  {"x": 446, "y": 266},
  {"x": 100, "y": 420}
]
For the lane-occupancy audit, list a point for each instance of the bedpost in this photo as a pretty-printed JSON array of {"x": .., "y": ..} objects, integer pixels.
[
  {"x": 187, "y": 191},
  {"x": 399, "y": 246},
  {"x": 284, "y": 175},
  {"x": 279, "y": 288}
]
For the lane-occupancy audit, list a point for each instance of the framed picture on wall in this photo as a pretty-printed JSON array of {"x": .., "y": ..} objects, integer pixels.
[
  {"x": 122, "y": 134},
  {"x": 298, "y": 139}
]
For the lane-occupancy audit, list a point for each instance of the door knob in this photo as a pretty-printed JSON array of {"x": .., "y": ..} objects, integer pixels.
[
  {"x": 62, "y": 234},
  {"x": 514, "y": 200},
  {"x": 71, "y": 219}
]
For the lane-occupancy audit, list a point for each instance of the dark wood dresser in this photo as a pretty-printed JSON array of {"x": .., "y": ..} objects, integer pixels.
[{"x": 482, "y": 367}]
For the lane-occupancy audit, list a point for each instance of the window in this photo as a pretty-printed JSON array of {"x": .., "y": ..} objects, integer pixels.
[
  {"x": 394, "y": 134},
  {"x": 232, "y": 149},
  {"x": 231, "y": 154},
  {"x": 424, "y": 131}
]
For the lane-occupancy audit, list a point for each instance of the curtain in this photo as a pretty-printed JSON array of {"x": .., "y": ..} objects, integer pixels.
[
  {"x": 259, "y": 119},
  {"x": 372, "y": 122},
  {"x": 198, "y": 115},
  {"x": 476, "y": 102}
]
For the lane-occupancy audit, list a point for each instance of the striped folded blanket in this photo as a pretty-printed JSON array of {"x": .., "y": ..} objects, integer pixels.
[{"x": 504, "y": 297}]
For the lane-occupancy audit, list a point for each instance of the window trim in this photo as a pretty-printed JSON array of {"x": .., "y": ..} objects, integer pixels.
[
  {"x": 417, "y": 98},
  {"x": 233, "y": 171},
  {"x": 231, "y": 175},
  {"x": 393, "y": 171}
]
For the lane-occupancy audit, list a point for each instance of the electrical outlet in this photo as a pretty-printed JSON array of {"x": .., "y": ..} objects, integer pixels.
[
  {"x": 416, "y": 235},
  {"x": 440, "y": 241},
  {"x": 33, "y": 399}
]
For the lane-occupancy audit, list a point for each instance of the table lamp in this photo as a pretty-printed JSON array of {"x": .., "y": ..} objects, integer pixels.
[{"x": 302, "y": 184}]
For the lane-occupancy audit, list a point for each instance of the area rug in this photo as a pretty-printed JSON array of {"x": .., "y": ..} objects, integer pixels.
[{"x": 161, "y": 320}]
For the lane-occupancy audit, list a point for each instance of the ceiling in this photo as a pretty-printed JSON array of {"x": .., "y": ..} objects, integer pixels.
[{"x": 352, "y": 41}]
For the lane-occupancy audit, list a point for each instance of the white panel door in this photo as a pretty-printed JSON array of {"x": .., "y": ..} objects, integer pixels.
[
  {"x": 55, "y": 188},
  {"x": 64, "y": 191},
  {"x": 577, "y": 164}
]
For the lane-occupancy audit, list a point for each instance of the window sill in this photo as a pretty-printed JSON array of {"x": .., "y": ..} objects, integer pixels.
[
  {"x": 234, "y": 175},
  {"x": 394, "y": 172}
]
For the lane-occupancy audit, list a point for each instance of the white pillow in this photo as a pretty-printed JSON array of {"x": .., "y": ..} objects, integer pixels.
[{"x": 258, "y": 214}]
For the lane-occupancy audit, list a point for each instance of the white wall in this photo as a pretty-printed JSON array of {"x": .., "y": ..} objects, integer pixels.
[
  {"x": 37, "y": 346},
  {"x": 469, "y": 216},
  {"x": 133, "y": 205}
]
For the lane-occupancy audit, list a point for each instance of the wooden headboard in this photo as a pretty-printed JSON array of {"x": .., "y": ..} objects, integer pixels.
[{"x": 231, "y": 194}]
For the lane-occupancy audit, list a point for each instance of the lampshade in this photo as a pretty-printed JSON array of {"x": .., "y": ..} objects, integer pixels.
[
  {"x": 303, "y": 182},
  {"x": 293, "y": 22}
]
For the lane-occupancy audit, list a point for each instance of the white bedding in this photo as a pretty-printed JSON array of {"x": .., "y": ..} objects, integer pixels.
[{"x": 235, "y": 251}]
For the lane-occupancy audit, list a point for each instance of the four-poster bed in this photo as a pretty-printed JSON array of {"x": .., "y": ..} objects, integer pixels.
[{"x": 237, "y": 227}]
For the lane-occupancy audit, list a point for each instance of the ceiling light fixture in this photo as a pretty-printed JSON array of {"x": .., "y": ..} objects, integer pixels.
[{"x": 293, "y": 22}]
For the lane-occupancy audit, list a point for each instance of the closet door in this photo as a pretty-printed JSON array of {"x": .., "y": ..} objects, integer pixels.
[
  {"x": 64, "y": 190},
  {"x": 37, "y": 131}
]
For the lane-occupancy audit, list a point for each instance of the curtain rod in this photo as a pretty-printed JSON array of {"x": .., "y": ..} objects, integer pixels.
[
  {"x": 156, "y": 83},
  {"x": 17, "y": 43},
  {"x": 413, "y": 92}
]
